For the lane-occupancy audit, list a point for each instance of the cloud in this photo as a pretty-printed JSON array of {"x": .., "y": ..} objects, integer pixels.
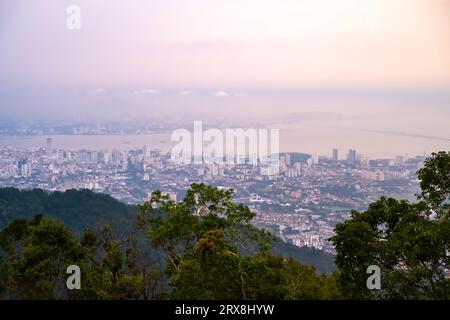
[
  {"x": 99, "y": 91},
  {"x": 184, "y": 93},
  {"x": 221, "y": 94},
  {"x": 145, "y": 91},
  {"x": 240, "y": 94}
]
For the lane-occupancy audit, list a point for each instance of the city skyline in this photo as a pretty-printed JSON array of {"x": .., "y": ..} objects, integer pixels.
[{"x": 301, "y": 202}]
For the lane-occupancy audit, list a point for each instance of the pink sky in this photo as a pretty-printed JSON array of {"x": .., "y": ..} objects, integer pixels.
[{"x": 190, "y": 43}]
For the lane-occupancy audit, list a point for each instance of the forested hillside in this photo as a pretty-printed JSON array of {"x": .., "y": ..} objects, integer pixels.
[
  {"x": 203, "y": 247},
  {"x": 78, "y": 209},
  {"x": 82, "y": 209}
]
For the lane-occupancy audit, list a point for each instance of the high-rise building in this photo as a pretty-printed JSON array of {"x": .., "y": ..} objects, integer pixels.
[
  {"x": 351, "y": 156},
  {"x": 288, "y": 159},
  {"x": 49, "y": 147},
  {"x": 94, "y": 156},
  {"x": 49, "y": 143},
  {"x": 107, "y": 157},
  {"x": 124, "y": 161},
  {"x": 24, "y": 168},
  {"x": 147, "y": 155},
  {"x": 147, "y": 151},
  {"x": 335, "y": 156}
]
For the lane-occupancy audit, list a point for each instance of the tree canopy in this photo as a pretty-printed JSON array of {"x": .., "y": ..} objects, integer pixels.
[
  {"x": 215, "y": 253},
  {"x": 209, "y": 246},
  {"x": 410, "y": 242}
]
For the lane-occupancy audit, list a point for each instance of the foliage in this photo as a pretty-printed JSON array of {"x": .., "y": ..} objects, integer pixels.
[
  {"x": 40, "y": 250},
  {"x": 213, "y": 251},
  {"x": 79, "y": 209},
  {"x": 410, "y": 242},
  {"x": 210, "y": 246},
  {"x": 435, "y": 178}
]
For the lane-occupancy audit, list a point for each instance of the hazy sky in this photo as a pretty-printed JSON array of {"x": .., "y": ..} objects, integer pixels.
[{"x": 144, "y": 56}]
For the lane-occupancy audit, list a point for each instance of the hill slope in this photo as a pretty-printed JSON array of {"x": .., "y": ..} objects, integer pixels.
[{"x": 78, "y": 209}]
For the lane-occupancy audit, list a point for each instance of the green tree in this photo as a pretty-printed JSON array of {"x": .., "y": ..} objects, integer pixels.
[
  {"x": 264, "y": 277},
  {"x": 111, "y": 269},
  {"x": 176, "y": 228},
  {"x": 213, "y": 251},
  {"x": 434, "y": 179},
  {"x": 302, "y": 283},
  {"x": 410, "y": 242},
  {"x": 210, "y": 271},
  {"x": 38, "y": 255},
  {"x": 35, "y": 255},
  {"x": 206, "y": 237}
]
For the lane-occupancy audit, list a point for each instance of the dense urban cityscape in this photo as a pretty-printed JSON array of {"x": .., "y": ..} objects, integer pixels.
[{"x": 301, "y": 204}]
